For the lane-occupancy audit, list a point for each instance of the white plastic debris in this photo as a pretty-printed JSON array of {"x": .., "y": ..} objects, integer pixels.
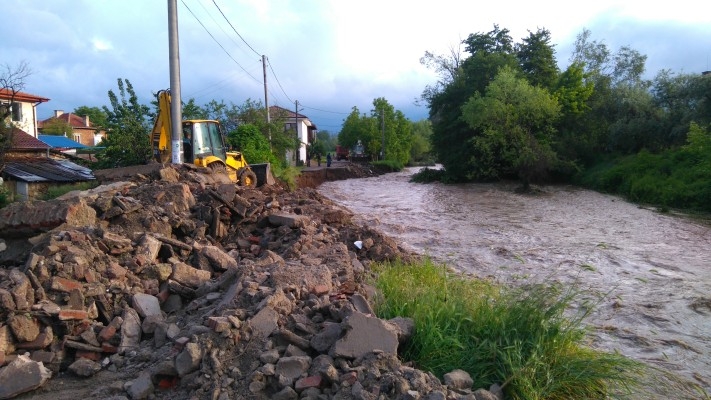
[{"x": 358, "y": 244}]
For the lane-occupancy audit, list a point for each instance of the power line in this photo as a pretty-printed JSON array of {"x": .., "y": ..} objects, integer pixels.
[
  {"x": 277, "y": 79},
  {"x": 332, "y": 112},
  {"x": 220, "y": 26},
  {"x": 233, "y": 28},
  {"x": 218, "y": 43}
]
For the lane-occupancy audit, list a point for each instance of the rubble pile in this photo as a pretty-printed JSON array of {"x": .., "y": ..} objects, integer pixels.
[{"x": 188, "y": 287}]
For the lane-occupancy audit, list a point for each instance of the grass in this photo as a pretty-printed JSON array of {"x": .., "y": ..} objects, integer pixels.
[
  {"x": 56, "y": 191},
  {"x": 518, "y": 338}
]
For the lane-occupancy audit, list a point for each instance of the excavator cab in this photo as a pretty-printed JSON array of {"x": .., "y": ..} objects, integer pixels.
[{"x": 201, "y": 139}]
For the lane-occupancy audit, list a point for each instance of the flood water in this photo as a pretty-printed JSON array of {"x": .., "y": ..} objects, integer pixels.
[{"x": 647, "y": 273}]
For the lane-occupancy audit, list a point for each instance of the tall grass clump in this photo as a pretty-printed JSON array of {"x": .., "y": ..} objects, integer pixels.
[
  {"x": 518, "y": 338},
  {"x": 56, "y": 191}
]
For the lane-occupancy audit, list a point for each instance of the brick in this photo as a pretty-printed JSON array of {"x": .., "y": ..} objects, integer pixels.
[
  {"x": 65, "y": 285},
  {"x": 66, "y": 315},
  {"x": 90, "y": 355},
  {"x": 106, "y": 347},
  {"x": 43, "y": 340},
  {"x": 319, "y": 290},
  {"x": 107, "y": 333},
  {"x": 313, "y": 381}
]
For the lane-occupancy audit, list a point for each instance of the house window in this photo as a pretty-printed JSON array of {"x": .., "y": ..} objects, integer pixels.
[
  {"x": 16, "y": 111},
  {"x": 77, "y": 138}
]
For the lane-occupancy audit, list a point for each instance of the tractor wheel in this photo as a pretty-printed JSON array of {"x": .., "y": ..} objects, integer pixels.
[
  {"x": 218, "y": 167},
  {"x": 248, "y": 178}
]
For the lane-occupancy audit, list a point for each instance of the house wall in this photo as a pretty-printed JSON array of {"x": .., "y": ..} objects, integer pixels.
[
  {"x": 24, "y": 191},
  {"x": 86, "y": 137},
  {"x": 27, "y": 121},
  {"x": 302, "y": 133}
]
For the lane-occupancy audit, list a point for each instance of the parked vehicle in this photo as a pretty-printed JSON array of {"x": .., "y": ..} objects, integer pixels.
[{"x": 341, "y": 153}]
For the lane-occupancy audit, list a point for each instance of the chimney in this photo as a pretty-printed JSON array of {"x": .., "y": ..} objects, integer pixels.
[
  {"x": 86, "y": 121},
  {"x": 57, "y": 113}
]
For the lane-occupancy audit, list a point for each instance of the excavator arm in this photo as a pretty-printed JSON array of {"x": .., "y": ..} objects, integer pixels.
[{"x": 162, "y": 129}]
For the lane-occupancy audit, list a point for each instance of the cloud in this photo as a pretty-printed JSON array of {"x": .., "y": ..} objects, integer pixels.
[{"x": 101, "y": 44}]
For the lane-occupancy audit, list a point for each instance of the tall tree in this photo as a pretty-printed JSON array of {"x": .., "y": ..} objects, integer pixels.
[
  {"x": 517, "y": 121},
  {"x": 446, "y": 67},
  {"x": 358, "y": 127},
  {"x": 128, "y": 127},
  {"x": 420, "y": 148},
  {"x": 537, "y": 58},
  {"x": 682, "y": 99},
  {"x": 574, "y": 144},
  {"x": 97, "y": 116},
  {"x": 451, "y": 136}
]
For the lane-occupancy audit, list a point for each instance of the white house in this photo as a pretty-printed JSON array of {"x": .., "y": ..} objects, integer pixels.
[
  {"x": 24, "y": 109},
  {"x": 305, "y": 131}
]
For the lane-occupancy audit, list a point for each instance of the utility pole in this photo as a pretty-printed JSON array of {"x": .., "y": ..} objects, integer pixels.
[
  {"x": 297, "y": 153},
  {"x": 382, "y": 125},
  {"x": 176, "y": 114},
  {"x": 266, "y": 98}
]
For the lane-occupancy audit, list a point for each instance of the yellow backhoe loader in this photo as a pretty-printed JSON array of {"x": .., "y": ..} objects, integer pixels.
[{"x": 203, "y": 145}]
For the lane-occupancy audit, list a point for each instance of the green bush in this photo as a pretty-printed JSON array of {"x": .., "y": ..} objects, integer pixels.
[
  {"x": 427, "y": 175},
  {"x": 4, "y": 196},
  {"x": 388, "y": 165},
  {"x": 56, "y": 191},
  {"x": 679, "y": 178},
  {"x": 518, "y": 338}
]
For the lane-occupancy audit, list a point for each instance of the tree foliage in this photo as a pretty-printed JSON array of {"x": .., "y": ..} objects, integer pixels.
[
  {"x": 517, "y": 124},
  {"x": 58, "y": 127},
  {"x": 128, "y": 126},
  {"x": 97, "y": 116},
  {"x": 252, "y": 144},
  {"x": 420, "y": 149},
  {"x": 386, "y": 133}
]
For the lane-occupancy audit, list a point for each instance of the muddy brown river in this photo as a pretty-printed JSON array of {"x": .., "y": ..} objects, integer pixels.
[{"x": 645, "y": 272}]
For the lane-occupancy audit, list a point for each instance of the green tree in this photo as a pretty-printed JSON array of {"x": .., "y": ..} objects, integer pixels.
[
  {"x": 252, "y": 144},
  {"x": 614, "y": 76},
  {"x": 97, "y": 116},
  {"x": 420, "y": 147},
  {"x": 359, "y": 127},
  {"x": 536, "y": 56},
  {"x": 451, "y": 135},
  {"x": 57, "y": 127},
  {"x": 575, "y": 143},
  {"x": 193, "y": 111},
  {"x": 682, "y": 99},
  {"x": 517, "y": 121},
  {"x": 329, "y": 141},
  {"x": 128, "y": 127}
]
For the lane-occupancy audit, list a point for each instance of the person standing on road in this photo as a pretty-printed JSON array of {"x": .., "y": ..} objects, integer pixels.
[
  {"x": 328, "y": 159},
  {"x": 318, "y": 159}
]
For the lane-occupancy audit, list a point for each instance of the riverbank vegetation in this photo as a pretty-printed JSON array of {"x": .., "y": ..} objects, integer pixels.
[
  {"x": 503, "y": 110},
  {"x": 518, "y": 338}
]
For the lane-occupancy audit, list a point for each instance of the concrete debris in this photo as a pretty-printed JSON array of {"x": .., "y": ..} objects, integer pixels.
[
  {"x": 180, "y": 286},
  {"x": 22, "y": 375}
]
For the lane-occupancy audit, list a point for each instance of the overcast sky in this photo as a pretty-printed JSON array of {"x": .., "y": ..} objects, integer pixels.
[{"x": 329, "y": 55}]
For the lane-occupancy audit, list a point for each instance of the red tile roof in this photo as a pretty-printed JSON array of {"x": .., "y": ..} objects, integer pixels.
[
  {"x": 22, "y": 140},
  {"x": 75, "y": 121},
  {"x": 22, "y": 97}
]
